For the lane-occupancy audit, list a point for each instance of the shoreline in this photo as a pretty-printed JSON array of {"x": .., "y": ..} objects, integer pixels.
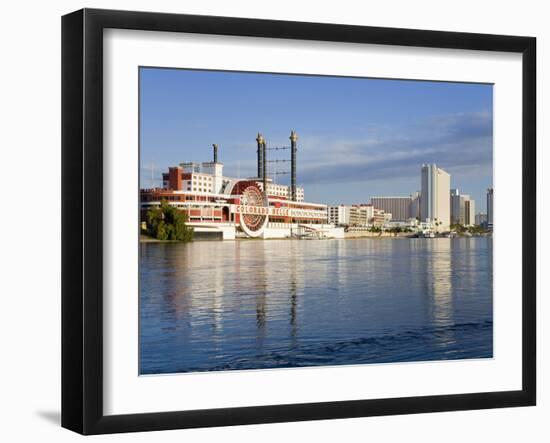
[{"x": 146, "y": 239}]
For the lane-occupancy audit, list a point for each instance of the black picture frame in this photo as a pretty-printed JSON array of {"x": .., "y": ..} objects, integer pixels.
[{"x": 82, "y": 218}]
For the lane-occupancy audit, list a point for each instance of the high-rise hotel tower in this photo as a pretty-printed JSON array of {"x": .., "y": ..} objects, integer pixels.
[
  {"x": 435, "y": 206},
  {"x": 463, "y": 208},
  {"x": 490, "y": 209}
]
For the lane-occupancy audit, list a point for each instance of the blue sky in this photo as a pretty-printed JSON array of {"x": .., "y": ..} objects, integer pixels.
[{"x": 358, "y": 137}]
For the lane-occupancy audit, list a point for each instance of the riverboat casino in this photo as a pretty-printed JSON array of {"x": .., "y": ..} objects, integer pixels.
[{"x": 232, "y": 207}]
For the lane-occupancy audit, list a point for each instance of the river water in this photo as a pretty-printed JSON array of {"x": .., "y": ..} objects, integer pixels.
[{"x": 253, "y": 304}]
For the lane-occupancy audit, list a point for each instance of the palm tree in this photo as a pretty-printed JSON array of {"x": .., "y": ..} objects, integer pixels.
[{"x": 436, "y": 225}]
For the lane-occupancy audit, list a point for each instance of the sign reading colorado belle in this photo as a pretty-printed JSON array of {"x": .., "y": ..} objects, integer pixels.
[{"x": 277, "y": 212}]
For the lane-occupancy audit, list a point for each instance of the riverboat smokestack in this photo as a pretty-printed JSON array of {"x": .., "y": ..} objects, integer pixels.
[
  {"x": 293, "y": 139},
  {"x": 260, "y": 140},
  {"x": 264, "y": 164},
  {"x": 215, "y": 149}
]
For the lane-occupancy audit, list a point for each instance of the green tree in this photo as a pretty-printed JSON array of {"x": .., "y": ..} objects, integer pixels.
[
  {"x": 458, "y": 228},
  {"x": 476, "y": 230},
  {"x": 168, "y": 223},
  {"x": 162, "y": 231}
]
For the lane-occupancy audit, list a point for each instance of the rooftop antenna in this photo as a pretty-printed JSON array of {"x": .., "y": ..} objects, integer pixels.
[
  {"x": 151, "y": 179},
  {"x": 293, "y": 139},
  {"x": 264, "y": 165}
]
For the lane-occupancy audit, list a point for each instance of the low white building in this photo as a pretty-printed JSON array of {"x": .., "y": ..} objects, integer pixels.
[
  {"x": 411, "y": 223},
  {"x": 339, "y": 215}
]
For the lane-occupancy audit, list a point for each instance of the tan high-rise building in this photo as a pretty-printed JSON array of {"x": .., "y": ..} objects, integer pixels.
[
  {"x": 415, "y": 205},
  {"x": 462, "y": 208},
  {"x": 457, "y": 207},
  {"x": 469, "y": 212},
  {"x": 435, "y": 205},
  {"x": 490, "y": 221}
]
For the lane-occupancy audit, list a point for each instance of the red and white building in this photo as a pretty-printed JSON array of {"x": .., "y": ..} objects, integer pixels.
[{"x": 238, "y": 207}]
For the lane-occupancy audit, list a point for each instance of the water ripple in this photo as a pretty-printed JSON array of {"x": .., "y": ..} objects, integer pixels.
[{"x": 269, "y": 304}]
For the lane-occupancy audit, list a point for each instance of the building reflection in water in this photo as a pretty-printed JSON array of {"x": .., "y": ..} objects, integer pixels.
[
  {"x": 257, "y": 304},
  {"x": 281, "y": 268},
  {"x": 294, "y": 263},
  {"x": 259, "y": 273},
  {"x": 469, "y": 249},
  {"x": 198, "y": 297},
  {"x": 439, "y": 277},
  {"x": 440, "y": 273}
]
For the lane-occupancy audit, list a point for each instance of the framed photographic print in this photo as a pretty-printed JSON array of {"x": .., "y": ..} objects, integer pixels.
[{"x": 269, "y": 221}]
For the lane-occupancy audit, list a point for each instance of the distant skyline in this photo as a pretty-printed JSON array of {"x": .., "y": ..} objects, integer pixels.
[{"x": 358, "y": 137}]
